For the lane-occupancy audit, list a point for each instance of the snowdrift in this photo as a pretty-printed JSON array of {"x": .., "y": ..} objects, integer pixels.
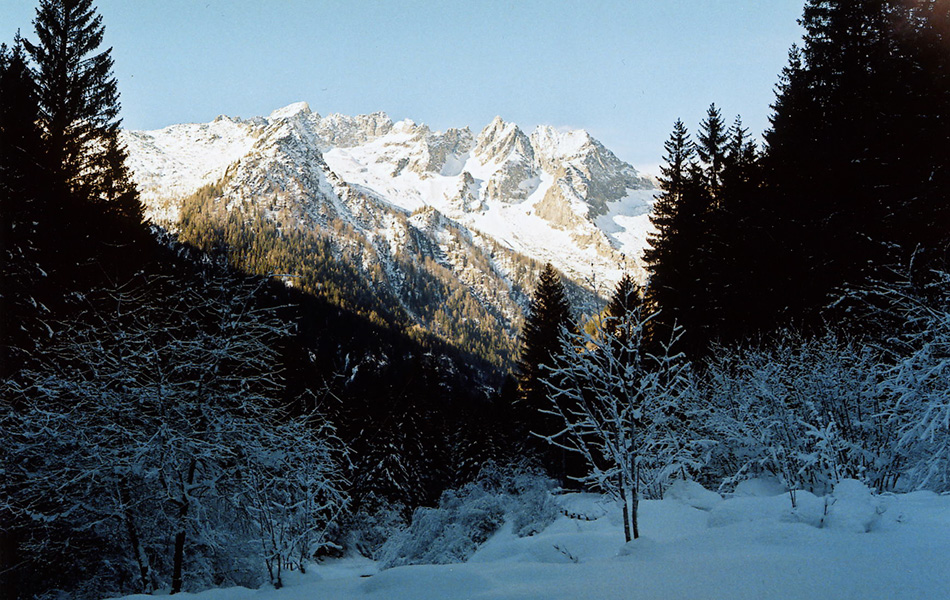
[{"x": 694, "y": 545}]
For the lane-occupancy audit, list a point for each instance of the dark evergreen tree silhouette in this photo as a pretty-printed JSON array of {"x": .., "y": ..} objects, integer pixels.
[
  {"x": 661, "y": 256},
  {"x": 22, "y": 204},
  {"x": 549, "y": 313},
  {"x": 548, "y": 317},
  {"x": 854, "y": 178},
  {"x": 626, "y": 299},
  {"x": 735, "y": 263},
  {"x": 71, "y": 216},
  {"x": 701, "y": 258},
  {"x": 711, "y": 148},
  {"x": 21, "y": 201},
  {"x": 856, "y": 163},
  {"x": 75, "y": 222},
  {"x": 676, "y": 255},
  {"x": 79, "y": 107}
]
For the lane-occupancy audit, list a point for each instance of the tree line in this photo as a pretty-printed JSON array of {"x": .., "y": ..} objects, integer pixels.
[
  {"x": 792, "y": 320},
  {"x": 851, "y": 181}
]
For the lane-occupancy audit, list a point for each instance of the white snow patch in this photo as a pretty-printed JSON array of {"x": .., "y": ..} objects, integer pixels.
[
  {"x": 760, "y": 553},
  {"x": 692, "y": 494},
  {"x": 291, "y": 110},
  {"x": 627, "y": 222}
]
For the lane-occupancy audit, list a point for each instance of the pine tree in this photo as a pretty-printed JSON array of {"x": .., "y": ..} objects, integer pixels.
[
  {"x": 79, "y": 107},
  {"x": 22, "y": 202},
  {"x": 626, "y": 298},
  {"x": 550, "y": 312},
  {"x": 740, "y": 157},
  {"x": 75, "y": 222},
  {"x": 674, "y": 183},
  {"x": 548, "y": 318},
  {"x": 675, "y": 259},
  {"x": 735, "y": 259},
  {"x": 856, "y": 163},
  {"x": 711, "y": 148}
]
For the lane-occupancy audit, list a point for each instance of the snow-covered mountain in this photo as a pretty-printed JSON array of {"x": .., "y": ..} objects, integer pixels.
[
  {"x": 558, "y": 196},
  {"x": 470, "y": 203}
]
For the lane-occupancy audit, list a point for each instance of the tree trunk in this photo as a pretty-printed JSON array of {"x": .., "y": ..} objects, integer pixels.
[
  {"x": 179, "y": 556},
  {"x": 137, "y": 551},
  {"x": 635, "y": 501},
  {"x": 633, "y": 517},
  {"x": 140, "y": 557},
  {"x": 9, "y": 569},
  {"x": 624, "y": 498}
]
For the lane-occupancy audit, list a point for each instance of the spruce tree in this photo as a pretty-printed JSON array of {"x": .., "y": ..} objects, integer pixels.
[
  {"x": 548, "y": 318},
  {"x": 21, "y": 207},
  {"x": 626, "y": 300},
  {"x": 84, "y": 214},
  {"x": 739, "y": 242},
  {"x": 711, "y": 148},
  {"x": 550, "y": 312},
  {"x": 79, "y": 107},
  {"x": 740, "y": 156},
  {"x": 675, "y": 258},
  {"x": 674, "y": 181},
  {"x": 856, "y": 163}
]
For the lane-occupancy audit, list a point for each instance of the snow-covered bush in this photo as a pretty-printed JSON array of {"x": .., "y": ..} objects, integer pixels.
[
  {"x": 468, "y": 516},
  {"x": 806, "y": 410},
  {"x": 917, "y": 384},
  {"x": 449, "y": 533},
  {"x": 628, "y": 412},
  {"x": 152, "y": 422},
  {"x": 292, "y": 491},
  {"x": 534, "y": 508},
  {"x": 527, "y": 492},
  {"x": 816, "y": 411},
  {"x": 372, "y": 524}
]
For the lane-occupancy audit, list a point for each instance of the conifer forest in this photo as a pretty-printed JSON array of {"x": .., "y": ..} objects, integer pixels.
[{"x": 238, "y": 399}]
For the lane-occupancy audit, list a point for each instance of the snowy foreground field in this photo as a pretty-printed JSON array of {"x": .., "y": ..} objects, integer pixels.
[{"x": 693, "y": 545}]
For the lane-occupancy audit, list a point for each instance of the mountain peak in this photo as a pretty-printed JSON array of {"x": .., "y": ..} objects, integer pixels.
[
  {"x": 498, "y": 127},
  {"x": 345, "y": 131},
  {"x": 291, "y": 110},
  {"x": 501, "y": 141},
  {"x": 557, "y": 195},
  {"x": 556, "y": 143},
  {"x": 410, "y": 127}
]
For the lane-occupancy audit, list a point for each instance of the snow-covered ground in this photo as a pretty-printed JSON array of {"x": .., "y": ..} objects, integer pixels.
[{"x": 749, "y": 546}]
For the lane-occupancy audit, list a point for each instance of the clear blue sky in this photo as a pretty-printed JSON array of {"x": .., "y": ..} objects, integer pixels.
[{"x": 625, "y": 70}]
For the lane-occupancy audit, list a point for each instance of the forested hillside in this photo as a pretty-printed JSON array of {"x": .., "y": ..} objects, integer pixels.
[
  {"x": 148, "y": 385},
  {"x": 415, "y": 290}
]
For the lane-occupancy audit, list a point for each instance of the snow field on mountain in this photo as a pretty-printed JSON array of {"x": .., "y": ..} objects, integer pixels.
[
  {"x": 752, "y": 545},
  {"x": 181, "y": 158},
  {"x": 492, "y": 183},
  {"x": 627, "y": 222},
  {"x": 515, "y": 225}
]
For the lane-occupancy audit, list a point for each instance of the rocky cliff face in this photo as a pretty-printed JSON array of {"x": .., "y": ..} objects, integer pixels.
[{"x": 396, "y": 198}]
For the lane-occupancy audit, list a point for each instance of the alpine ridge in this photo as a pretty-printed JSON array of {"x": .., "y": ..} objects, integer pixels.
[{"x": 463, "y": 219}]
